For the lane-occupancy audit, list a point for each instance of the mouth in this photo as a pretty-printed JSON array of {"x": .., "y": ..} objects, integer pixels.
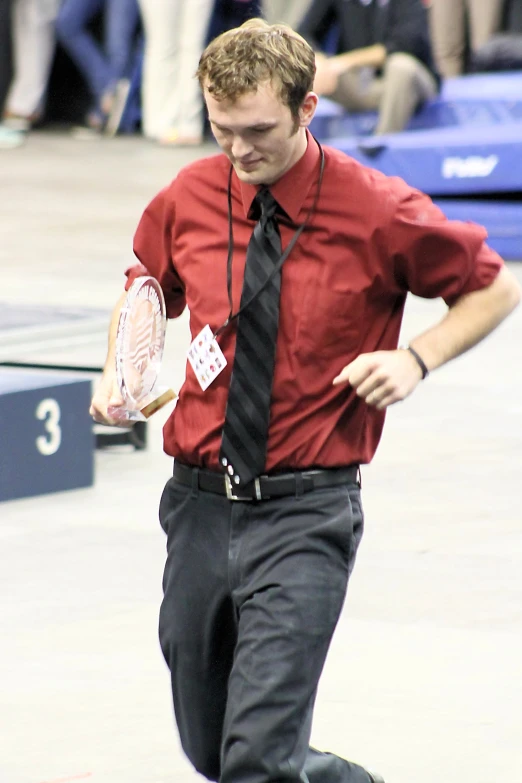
[{"x": 249, "y": 165}]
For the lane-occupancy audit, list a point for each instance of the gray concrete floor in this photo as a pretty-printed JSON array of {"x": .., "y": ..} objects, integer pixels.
[{"x": 424, "y": 678}]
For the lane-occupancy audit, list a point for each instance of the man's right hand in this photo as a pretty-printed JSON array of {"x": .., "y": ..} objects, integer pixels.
[{"x": 107, "y": 405}]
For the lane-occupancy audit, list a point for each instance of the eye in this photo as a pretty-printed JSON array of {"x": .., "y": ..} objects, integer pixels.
[{"x": 218, "y": 129}]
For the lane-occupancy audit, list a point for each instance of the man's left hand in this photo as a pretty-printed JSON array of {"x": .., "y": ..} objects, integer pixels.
[{"x": 382, "y": 378}]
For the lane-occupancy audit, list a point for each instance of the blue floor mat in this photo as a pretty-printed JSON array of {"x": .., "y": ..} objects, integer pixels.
[{"x": 501, "y": 219}]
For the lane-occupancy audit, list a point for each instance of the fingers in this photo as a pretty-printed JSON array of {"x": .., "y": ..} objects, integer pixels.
[
  {"x": 381, "y": 378},
  {"x": 356, "y": 372},
  {"x": 381, "y": 397},
  {"x": 108, "y": 406},
  {"x": 365, "y": 380},
  {"x": 100, "y": 413},
  {"x": 113, "y": 415}
]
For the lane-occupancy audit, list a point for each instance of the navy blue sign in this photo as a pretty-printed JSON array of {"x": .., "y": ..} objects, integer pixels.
[{"x": 46, "y": 434}]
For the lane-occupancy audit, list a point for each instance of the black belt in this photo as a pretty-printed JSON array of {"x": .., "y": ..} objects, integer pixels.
[{"x": 275, "y": 486}]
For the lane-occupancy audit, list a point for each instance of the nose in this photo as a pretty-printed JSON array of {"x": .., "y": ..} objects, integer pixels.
[{"x": 241, "y": 148}]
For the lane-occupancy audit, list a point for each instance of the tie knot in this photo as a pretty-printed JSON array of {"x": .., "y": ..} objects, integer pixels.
[{"x": 265, "y": 204}]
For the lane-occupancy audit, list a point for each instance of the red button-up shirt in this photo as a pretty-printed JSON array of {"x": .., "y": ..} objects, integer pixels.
[{"x": 371, "y": 240}]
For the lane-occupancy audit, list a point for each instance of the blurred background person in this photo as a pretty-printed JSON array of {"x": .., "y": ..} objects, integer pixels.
[
  {"x": 503, "y": 50},
  {"x": 175, "y": 35},
  {"x": 32, "y": 45},
  {"x": 232, "y": 13},
  {"x": 461, "y": 25},
  {"x": 5, "y": 49},
  {"x": 105, "y": 67},
  {"x": 291, "y": 12},
  {"x": 382, "y": 57}
]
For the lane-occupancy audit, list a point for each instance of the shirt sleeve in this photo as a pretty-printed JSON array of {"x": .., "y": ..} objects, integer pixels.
[
  {"x": 436, "y": 257},
  {"x": 153, "y": 248}
]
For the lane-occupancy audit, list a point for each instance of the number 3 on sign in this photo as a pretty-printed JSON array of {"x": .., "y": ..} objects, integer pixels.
[{"x": 49, "y": 411}]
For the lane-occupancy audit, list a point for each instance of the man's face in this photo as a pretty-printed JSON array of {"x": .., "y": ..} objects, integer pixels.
[{"x": 258, "y": 133}]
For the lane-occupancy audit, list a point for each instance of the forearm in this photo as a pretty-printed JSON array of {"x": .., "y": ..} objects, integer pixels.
[
  {"x": 469, "y": 321},
  {"x": 369, "y": 57},
  {"x": 110, "y": 361},
  {"x": 106, "y": 392}
]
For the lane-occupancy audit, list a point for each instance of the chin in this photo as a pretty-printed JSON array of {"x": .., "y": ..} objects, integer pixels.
[{"x": 258, "y": 176}]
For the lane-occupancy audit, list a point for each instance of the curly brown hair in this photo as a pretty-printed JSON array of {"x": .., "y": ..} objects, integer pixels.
[{"x": 239, "y": 60}]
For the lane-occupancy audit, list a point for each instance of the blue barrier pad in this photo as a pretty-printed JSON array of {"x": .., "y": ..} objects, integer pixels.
[
  {"x": 483, "y": 86},
  {"x": 446, "y": 161},
  {"x": 501, "y": 219},
  {"x": 466, "y": 141}
]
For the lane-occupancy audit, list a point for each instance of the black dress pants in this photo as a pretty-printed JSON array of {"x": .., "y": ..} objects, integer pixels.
[{"x": 252, "y": 595}]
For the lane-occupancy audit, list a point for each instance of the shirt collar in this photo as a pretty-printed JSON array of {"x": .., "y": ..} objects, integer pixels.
[{"x": 292, "y": 189}]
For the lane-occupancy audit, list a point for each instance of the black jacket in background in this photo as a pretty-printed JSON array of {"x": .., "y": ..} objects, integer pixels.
[{"x": 400, "y": 25}]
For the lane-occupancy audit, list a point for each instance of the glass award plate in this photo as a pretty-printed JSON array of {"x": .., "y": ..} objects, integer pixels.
[{"x": 140, "y": 341}]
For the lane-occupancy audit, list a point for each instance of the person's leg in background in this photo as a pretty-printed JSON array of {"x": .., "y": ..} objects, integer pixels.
[
  {"x": 448, "y": 35},
  {"x": 160, "y": 21},
  {"x": 407, "y": 84},
  {"x": 354, "y": 88},
  {"x": 121, "y": 19},
  {"x": 86, "y": 52},
  {"x": 175, "y": 34},
  {"x": 291, "y": 12},
  {"x": 187, "y": 126},
  {"x": 33, "y": 37},
  {"x": 484, "y": 20}
]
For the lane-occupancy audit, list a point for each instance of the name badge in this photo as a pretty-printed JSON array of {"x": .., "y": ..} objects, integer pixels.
[{"x": 206, "y": 357}]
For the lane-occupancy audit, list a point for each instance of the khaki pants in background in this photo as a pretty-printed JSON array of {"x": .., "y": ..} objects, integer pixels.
[
  {"x": 449, "y": 20},
  {"x": 405, "y": 84}
]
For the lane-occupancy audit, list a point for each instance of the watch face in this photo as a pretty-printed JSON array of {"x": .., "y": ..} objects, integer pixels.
[{"x": 140, "y": 340}]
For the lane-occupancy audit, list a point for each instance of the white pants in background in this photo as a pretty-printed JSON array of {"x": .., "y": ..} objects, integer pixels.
[
  {"x": 175, "y": 34},
  {"x": 33, "y": 51},
  {"x": 291, "y": 12}
]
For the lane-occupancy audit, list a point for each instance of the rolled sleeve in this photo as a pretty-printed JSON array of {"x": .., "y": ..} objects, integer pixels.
[
  {"x": 153, "y": 248},
  {"x": 437, "y": 257}
]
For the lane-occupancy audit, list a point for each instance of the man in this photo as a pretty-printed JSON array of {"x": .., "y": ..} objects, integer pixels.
[
  {"x": 259, "y": 557},
  {"x": 382, "y": 61}
]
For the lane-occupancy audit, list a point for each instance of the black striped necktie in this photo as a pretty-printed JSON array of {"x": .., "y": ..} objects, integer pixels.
[{"x": 245, "y": 432}]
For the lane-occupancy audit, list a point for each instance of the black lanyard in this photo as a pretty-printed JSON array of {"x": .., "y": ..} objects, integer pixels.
[{"x": 232, "y": 316}]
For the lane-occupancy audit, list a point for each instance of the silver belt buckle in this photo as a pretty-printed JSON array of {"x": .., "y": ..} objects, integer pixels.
[{"x": 232, "y": 496}]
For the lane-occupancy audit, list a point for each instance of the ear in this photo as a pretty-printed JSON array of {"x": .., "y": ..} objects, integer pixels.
[{"x": 307, "y": 109}]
